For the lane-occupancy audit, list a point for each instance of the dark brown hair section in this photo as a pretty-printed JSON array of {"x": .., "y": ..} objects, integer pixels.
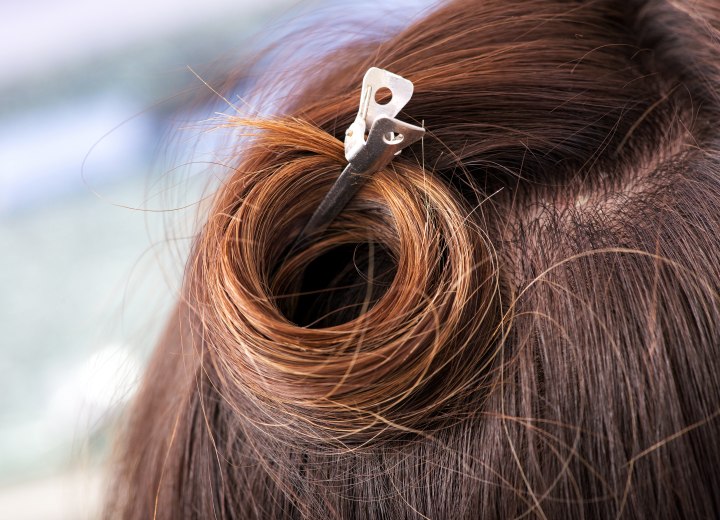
[{"x": 518, "y": 318}]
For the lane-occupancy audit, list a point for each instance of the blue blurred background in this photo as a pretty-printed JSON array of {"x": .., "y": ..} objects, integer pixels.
[{"x": 103, "y": 171}]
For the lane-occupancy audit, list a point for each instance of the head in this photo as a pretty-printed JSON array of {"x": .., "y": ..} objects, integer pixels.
[{"x": 517, "y": 317}]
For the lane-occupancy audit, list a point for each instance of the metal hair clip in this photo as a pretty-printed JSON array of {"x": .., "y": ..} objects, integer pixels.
[{"x": 386, "y": 139}]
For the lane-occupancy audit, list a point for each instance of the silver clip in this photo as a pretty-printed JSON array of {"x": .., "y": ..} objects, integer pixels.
[
  {"x": 370, "y": 110},
  {"x": 386, "y": 138}
]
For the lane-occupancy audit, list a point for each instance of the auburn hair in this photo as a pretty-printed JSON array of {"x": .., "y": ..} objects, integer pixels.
[{"x": 518, "y": 317}]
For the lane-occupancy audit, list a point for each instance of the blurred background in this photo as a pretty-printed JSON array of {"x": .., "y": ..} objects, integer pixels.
[{"x": 104, "y": 172}]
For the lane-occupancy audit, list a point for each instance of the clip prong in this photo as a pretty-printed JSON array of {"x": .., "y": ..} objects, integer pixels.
[{"x": 386, "y": 138}]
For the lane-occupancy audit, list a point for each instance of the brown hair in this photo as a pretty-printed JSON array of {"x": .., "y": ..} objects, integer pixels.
[{"x": 517, "y": 318}]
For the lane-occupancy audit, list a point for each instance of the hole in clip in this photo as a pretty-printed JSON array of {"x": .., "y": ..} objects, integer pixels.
[
  {"x": 393, "y": 138},
  {"x": 383, "y": 96}
]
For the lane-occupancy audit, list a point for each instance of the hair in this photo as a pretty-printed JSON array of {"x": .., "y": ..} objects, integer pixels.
[{"x": 518, "y": 317}]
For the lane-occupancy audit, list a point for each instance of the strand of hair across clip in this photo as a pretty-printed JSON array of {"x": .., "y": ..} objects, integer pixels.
[{"x": 386, "y": 138}]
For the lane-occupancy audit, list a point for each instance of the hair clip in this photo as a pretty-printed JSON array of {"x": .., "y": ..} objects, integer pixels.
[{"x": 386, "y": 138}]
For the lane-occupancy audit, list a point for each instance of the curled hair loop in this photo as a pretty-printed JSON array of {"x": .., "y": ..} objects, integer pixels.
[{"x": 378, "y": 369}]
